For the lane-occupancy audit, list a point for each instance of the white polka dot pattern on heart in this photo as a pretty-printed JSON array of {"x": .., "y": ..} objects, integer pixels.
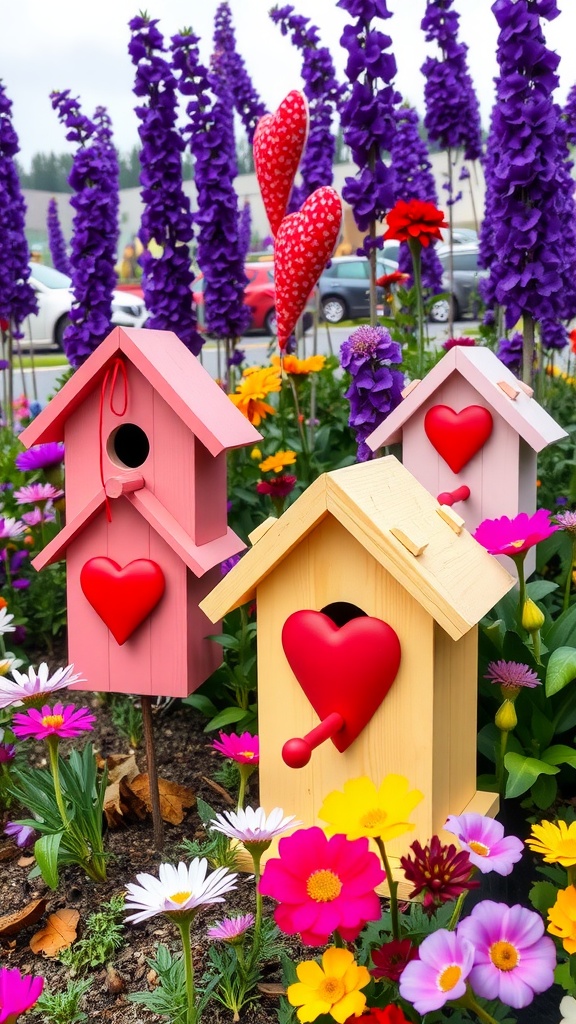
[{"x": 279, "y": 142}]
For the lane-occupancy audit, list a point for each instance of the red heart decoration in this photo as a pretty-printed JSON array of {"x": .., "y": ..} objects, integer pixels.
[
  {"x": 348, "y": 669},
  {"x": 122, "y": 598},
  {"x": 278, "y": 144},
  {"x": 457, "y": 436},
  {"x": 304, "y": 244}
]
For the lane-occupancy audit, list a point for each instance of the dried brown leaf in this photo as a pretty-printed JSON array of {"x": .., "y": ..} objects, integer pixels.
[
  {"x": 58, "y": 933},
  {"x": 272, "y": 988},
  {"x": 174, "y": 799},
  {"x": 8, "y": 852},
  {"x": 220, "y": 790},
  {"x": 120, "y": 804},
  {"x": 25, "y": 862},
  {"x": 11, "y": 924}
]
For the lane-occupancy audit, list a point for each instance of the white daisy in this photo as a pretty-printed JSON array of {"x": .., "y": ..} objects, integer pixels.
[
  {"x": 177, "y": 889},
  {"x": 6, "y": 622},
  {"x": 253, "y": 826},
  {"x": 24, "y": 687},
  {"x": 11, "y": 527},
  {"x": 568, "y": 1010}
]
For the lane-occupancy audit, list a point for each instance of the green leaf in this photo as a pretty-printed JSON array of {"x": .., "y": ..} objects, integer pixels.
[
  {"x": 560, "y": 753},
  {"x": 563, "y": 977},
  {"x": 562, "y": 632},
  {"x": 561, "y": 669},
  {"x": 46, "y": 852},
  {"x": 544, "y": 791},
  {"x": 523, "y": 772},
  {"x": 202, "y": 703},
  {"x": 543, "y": 896},
  {"x": 226, "y": 717},
  {"x": 540, "y": 588}
]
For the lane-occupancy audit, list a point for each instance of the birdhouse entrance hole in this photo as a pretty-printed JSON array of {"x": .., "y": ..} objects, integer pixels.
[
  {"x": 342, "y": 612},
  {"x": 128, "y": 445}
]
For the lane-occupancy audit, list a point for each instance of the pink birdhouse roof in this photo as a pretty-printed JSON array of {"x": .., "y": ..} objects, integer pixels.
[
  {"x": 173, "y": 372},
  {"x": 485, "y": 372}
]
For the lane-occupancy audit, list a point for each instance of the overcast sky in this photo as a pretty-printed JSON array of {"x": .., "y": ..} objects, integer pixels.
[{"x": 81, "y": 45}]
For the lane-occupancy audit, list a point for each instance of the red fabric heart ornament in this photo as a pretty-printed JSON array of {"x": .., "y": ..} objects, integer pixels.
[
  {"x": 278, "y": 144},
  {"x": 304, "y": 244},
  {"x": 458, "y": 436},
  {"x": 348, "y": 669},
  {"x": 122, "y": 597}
]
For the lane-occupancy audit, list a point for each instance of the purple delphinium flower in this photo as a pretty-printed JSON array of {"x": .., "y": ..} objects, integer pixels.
[
  {"x": 56, "y": 242},
  {"x": 509, "y": 352},
  {"x": 94, "y": 182},
  {"x": 570, "y": 116},
  {"x": 244, "y": 229},
  {"x": 246, "y": 100},
  {"x": 375, "y": 388},
  {"x": 17, "y": 297},
  {"x": 210, "y": 132},
  {"x": 167, "y": 219},
  {"x": 229, "y": 564},
  {"x": 324, "y": 95},
  {"x": 23, "y": 835},
  {"x": 42, "y": 456},
  {"x": 367, "y": 116}
]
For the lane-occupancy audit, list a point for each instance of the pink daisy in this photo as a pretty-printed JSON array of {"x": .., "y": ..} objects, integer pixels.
[
  {"x": 39, "y": 515},
  {"x": 440, "y": 974},
  {"x": 243, "y": 749},
  {"x": 484, "y": 840},
  {"x": 11, "y": 527},
  {"x": 323, "y": 885},
  {"x": 18, "y": 992},
  {"x": 231, "y": 929},
  {"x": 64, "y": 722},
  {"x": 37, "y": 494},
  {"x": 512, "y": 537}
]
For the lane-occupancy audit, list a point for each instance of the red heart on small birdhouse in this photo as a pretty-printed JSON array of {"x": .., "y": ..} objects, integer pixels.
[
  {"x": 304, "y": 244},
  {"x": 278, "y": 144},
  {"x": 458, "y": 436},
  {"x": 347, "y": 669},
  {"x": 122, "y": 597}
]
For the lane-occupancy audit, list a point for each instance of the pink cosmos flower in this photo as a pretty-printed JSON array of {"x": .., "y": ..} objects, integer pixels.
[
  {"x": 42, "y": 456},
  {"x": 446, "y": 959},
  {"x": 231, "y": 928},
  {"x": 513, "y": 959},
  {"x": 323, "y": 885},
  {"x": 484, "y": 840},
  {"x": 18, "y": 992},
  {"x": 243, "y": 749},
  {"x": 32, "y": 686},
  {"x": 512, "y": 537},
  {"x": 39, "y": 515},
  {"x": 37, "y": 494},
  {"x": 64, "y": 722}
]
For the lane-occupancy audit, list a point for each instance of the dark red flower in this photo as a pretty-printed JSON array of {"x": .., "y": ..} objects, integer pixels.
[
  {"x": 390, "y": 1014},
  {"x": 279, "y": 487},
  {"x": 391, "y": 959},
  {"x": 572, "y": 336},
  {"x": 396, "y": 277},
  {"x": 415, "y": 220},
  {"x": 440, "y": 872},
  {"x": 452, "y": 342}
]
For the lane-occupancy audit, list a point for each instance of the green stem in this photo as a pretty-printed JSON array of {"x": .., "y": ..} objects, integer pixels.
[
  {"x": 416, "y": 253},
  {"x": 501, "y": 771},
  {"x": 536, "y": 646},
  {"x": 392, "y": 888},
  {"x": 519, "y": 561},
  {"x": 457, "y": 911},
  {"x": 255, "y": 951},
  {"x": 53, "y": 742},
  {"x": 568, "y": 584},
  {"x": 571, "y": 871},
  {"x": 469, "y": 1003},
  {"x": 184, "y": 929}
]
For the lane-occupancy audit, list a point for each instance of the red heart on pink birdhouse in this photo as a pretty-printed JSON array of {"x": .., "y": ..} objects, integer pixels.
[
  {"x": 458, "y": 436},
  {"x": 122, "y": 597},
  {"x": 347, "y": 669},
  {"x": 304, "y": 244},
  {"x": 278, "y": 144}
]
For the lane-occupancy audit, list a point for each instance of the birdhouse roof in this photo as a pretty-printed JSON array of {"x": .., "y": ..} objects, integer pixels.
[
  {"x": 452, "y": 576},
  {"x": 173, "y": 372},
  {"x": 485, "y": 372}
]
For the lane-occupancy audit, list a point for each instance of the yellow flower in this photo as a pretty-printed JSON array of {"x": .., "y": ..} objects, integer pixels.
[
  {"x": 506, "y": 718},
  {"x": 298, "y": 367},
  {"x": 532, "y": 617},
  {"x": 256, "y": 383},
  {"x": 363, "y": 810},
  {"x": 555, "y": 842},
  {"x": 332, "y": 988},
  {"x": 562, "y": 918},
  {"x": 276, "y": 463},
  {"x": 256, "y": 454}
]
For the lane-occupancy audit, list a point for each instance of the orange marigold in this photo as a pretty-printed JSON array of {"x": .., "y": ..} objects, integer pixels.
[
  {"x": 299, "y": 367},
  {"x": 256, "y": 383}
]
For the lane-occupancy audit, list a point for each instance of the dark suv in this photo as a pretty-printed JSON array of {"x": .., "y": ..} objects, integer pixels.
[
  {"x": 466, "y": 274},
  {"x": 345, "y": 287}
]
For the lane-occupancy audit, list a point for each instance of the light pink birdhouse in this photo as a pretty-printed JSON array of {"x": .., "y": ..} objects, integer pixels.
[
  {"x": 470, "y": 433},
  {"x": 146, "y": 431}
]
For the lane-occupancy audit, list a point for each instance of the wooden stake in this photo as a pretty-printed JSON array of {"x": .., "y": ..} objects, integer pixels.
[{"x": 157, "y": 822}]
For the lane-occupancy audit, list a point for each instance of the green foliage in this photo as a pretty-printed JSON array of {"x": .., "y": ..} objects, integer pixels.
[
  {"x": 217, "y": 848},
  {"x": 127, "y": 718},
  {"x": 169, "y": 998},
  {"x": 228, "y": 697},
  {"x": 103, "y": 936},
  {"x": 64, "y": 1007}
]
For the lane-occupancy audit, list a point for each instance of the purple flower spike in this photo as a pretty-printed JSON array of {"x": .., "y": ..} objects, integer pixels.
[
  {"x": 56, "y": 242},
  {"x": 246, "y": 100},
  {"x": 375, "y": 389}
]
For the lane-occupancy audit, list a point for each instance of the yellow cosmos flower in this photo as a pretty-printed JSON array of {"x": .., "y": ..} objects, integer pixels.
[
  {"x": 364, "y": 810},
  {"x": 299, "y": 367},
  {"x": 332, "y": 988},
  {"x": 562, "y": 918},
  {"x": 276, "y": 463},
  {"x": 556, "y": 843},
  {"x": 256, "y": 383}
]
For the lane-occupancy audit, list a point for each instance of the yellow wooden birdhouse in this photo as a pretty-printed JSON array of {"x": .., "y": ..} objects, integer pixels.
[{"x": 368, "y": 598}]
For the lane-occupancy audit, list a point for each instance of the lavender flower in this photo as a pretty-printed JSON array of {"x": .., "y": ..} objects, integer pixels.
[
  {"x": 375, "y": 388},
  {"x": 56, "y": 242},
  {"x": 23, "y": 835},
  {"x": 246, "y": 100}
]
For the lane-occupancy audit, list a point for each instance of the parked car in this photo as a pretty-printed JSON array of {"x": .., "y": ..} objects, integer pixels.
[
  {"x": 345, "y": 287},
  {"x": 464, "y": 292},
  {"x": 259, "y": 296},
  {"x": 55, "y": 297}
]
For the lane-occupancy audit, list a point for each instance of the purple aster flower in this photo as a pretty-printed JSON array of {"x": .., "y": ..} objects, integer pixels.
[
  {"x": 56, "y": 242},
  {"x": 231, "y": 929},
  {"x": 39, "y": 515},
  {"x": 246, "y": 100},
  {"x": 375, "y": 388},
  {"x": 42, "y": 456},
  {"x": 510, "y": 351},
  {"x": 484, "y": 841},
  {"x": 567, "y": 520},
  {"x": 7, "y": 752},
  {"x": 23, "y": 835},
  {"x": 229, "y": 564},
  {"x": 511, "y": 676}
]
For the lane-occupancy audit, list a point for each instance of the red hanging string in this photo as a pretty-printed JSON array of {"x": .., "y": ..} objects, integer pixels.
[{"x": 116, "y": 367}]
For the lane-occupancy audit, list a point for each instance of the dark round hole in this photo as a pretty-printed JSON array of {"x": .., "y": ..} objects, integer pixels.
[
  {"x": 342, "y": 612},
  {"x": 130, "y": 445}
]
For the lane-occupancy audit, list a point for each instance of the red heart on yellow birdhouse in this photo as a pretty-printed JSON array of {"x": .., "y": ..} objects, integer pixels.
[
  {"x": 304, "y": 244},
  {"x": 122, "y": 597},
  {"x": 458, "y": 436},
  {"x": 278, "y": 144},
  {"x": 347, "y": 669}
]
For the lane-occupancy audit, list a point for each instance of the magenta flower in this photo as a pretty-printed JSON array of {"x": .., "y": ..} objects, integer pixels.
[
  {"x": 513, "y": 959},
  {"x": 37, "y": 494},
  {"x": 484, "y": 840},
  {"x": 64, "y": 722},
  {"x": 39, "y": 515},
  {"x": 23, "y": 835},
  {"x": 440, "y": 974},
  {"x": 42, "y": 456},
  {"x": 462, "y": 342},
  {"x": 231, "y": 929},
  {"x": 512, "y": 537},
  {"x": 7, "y": 752},
  {"x": 243, "y": 749},
  {"x": 512, "y": 676},
  {"x": 18, "y": 992}
]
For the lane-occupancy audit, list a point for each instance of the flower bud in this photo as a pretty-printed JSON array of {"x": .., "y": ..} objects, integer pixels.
[
  {"x": 506, "y": 719},
  {"x": 532, "y": 618}
]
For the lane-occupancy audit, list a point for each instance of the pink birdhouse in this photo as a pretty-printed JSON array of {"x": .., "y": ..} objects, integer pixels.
[{"x": 146, "y": 431}]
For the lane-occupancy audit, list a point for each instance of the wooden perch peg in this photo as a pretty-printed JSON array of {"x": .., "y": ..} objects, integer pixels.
[
  {"x": 450, "y": 497},
  {"x": 297, "y": 752}
]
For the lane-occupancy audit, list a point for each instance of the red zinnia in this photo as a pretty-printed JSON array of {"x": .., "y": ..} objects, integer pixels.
[
  {"x": 396, "y": 277},
  {"x": 440, "y": 872},
  {"x": 415, "y": 220},
  {"x": 278, "y": 487},
  {"x": 390, "y": 1014},
  {"x": 391, "y": 959}
]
